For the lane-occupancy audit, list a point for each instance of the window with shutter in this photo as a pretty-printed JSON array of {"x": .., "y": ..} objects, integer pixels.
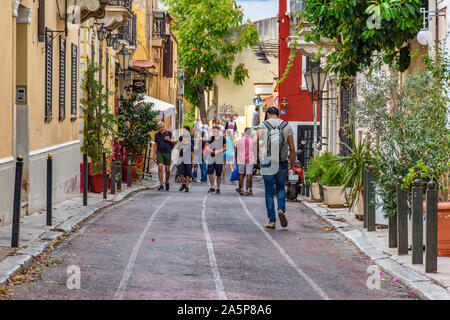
[
  {"x": 74, "y": 85},
  {"x": 62, "y": 78},
  {"x": 48, "y": 76}
]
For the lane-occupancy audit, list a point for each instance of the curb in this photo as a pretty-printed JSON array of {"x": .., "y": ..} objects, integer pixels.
[
  {"x": 422, "y": 286},
  {"x": 23, "y": 257}
]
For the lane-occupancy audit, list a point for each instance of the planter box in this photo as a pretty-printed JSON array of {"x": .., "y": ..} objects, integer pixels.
[
  {"x": 315, "y": 192},
  {"x": 443, "y": 229},
  {"x": 358, "y": 207},
  {"x": 333, "y": 196}
]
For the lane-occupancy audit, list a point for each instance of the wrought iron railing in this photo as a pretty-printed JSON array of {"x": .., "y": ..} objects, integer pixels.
[
  {"x": 129, "y": 31},
  {"x": 126, "y": 3}
]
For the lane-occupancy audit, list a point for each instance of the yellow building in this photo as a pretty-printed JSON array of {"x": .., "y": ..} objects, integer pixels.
[
  {"x": 157, "y": 57},
  {"x": 40, "y": 62}
]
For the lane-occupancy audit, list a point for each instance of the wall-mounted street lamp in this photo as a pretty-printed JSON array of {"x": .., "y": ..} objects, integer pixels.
[
  {"x": 101, "y": 32},
  {"x": 110, "y": 39},
  {"x": 116, "y": 42},
  {"x": 124, "y": 57},
  {"x": 64, "y": 6},
  {"x": 315, "y": 82},
  {"x": 425, "y": 36}
]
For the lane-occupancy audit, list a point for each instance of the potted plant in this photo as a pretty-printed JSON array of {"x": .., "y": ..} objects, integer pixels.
[
  {"x": 331, "y": 181},
  {"x": 136, "y": 122},
  {"x": 99, "y": 125},
  {"x": 317, "y": 168},
  {"x": 353, "y": 166}
]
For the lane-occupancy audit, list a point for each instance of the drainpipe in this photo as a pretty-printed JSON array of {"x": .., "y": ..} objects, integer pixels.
[
  {"x": 432, "y": 8},
  {"x": 332, "y": 120}
]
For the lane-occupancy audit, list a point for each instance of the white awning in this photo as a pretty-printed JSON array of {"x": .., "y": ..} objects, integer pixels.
[{"x": 165, "y": 109}]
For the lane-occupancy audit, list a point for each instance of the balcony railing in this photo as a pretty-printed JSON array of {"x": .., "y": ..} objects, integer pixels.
[
  {"x": 128, "y": 32},
  {"x": 125, "y": 3}
]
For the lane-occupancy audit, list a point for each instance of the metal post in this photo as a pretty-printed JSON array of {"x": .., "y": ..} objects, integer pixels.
[
  {"x": 85, "y": 179},
  {"x": 393, "y": 238},
  {"x": 17, "y": 202},
  {"x": 315, "y": 129},
  {"x": 371, "y": 199},
  {"x": 105, "y": 183},
  {"x": 365, "y": 197},
  {"x": 49, "y": 188},
  {"x": 129, "y": 170},
  {"x": 417, "y": 222},
  {"x": 402, "y": 218},
  {"x": 307, "y": 191},
  {"x": 113, "y": 176},
  {"x": 119, "y": 168},
  {"x": 431, "y": 240}
]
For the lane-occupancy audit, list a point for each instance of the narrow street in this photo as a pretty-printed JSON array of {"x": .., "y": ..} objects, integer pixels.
[{"x": 192, "y": 246}]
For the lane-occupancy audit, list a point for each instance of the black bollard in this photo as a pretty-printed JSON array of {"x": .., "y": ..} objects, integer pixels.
[
  {"x": 17, "y": 202},
  {"x": 113, "y": 176},
  {"x": 371, "y": 199},
  {"x": 365, "y": 197},
  {"x": 431, "y": 240},
  {"x": 307, "y": 191},
  {"x": 402, "y": 218},
  {"x": 119, "y": 169},
  {"x": 417, "y": 222},
  {"x": 105, "y": 183},
  {"x": 85, "y": 179},
  {"x": 129, "y": 172},
  {"x": 393, "y": 237},
  {"x": 49, "y": 188}
]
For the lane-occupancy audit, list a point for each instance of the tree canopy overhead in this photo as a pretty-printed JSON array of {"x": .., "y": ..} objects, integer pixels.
[
  {"x": 210, "y": 34},
  {"x": 367, "y": 33}
]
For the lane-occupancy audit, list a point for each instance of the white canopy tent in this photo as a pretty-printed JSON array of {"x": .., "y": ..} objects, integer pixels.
[{"x": 166, "y": 110}]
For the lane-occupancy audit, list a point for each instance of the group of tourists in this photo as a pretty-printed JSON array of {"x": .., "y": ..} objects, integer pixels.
[{"x": 211, "y": 151}]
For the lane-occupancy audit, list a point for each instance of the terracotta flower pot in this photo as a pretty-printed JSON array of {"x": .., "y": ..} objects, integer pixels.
[
  {"x": 96, "y": 182},
  {"x": 443, "y": 246},
  {"x": 125, "y": 172},
  {"x": 333, "y": 196},
  {"x": 315, "y": 192}
]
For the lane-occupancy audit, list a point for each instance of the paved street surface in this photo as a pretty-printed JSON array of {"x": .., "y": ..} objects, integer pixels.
[{"x": 174, "y": 245}]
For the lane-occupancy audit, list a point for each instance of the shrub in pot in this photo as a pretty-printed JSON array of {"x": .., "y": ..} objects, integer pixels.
[
  {"x": 136, "y": 122},
  {"x": 317, "y": 168},
  {"x": 334, "y": 194},
  {"x": 99, "y": 125}
]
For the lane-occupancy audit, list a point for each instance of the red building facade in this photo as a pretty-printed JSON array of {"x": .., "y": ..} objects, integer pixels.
[{"x": 298, "y": 111}]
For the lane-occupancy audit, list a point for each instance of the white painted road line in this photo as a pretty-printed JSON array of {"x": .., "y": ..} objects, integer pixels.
[
  {"x": 131, "y": 262},
  {"x": 315, "y": 287},
  {"x": 212, "y": 257}
]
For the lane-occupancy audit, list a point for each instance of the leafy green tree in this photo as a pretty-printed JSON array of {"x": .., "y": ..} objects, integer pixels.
[
  {"x": 189, "y": 118},
  {"x": 99, "y": 123},
  {"x": 366, "y": 33},
  {"x": 210, "y": 34},
  {"x": 136, "y": 122}
]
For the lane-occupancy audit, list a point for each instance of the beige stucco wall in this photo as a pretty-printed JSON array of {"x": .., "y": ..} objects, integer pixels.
[
  {"x": 241, "y": 96},
  {"x": 45, "y": 134},
  {"x": 6, "y": 85}
]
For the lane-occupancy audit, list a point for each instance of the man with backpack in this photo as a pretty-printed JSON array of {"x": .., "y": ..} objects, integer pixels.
[
  {"x": 164, "y": 145},
  {"x": 276, "y": 144}
]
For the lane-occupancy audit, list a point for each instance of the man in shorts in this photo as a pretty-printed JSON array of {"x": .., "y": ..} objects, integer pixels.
[
  {"x": 215, "y": 149},
  {"x": 164, "y": 144}
]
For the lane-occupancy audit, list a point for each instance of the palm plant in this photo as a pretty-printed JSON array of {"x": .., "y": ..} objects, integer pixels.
[{"x": 352, "y": 168}]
